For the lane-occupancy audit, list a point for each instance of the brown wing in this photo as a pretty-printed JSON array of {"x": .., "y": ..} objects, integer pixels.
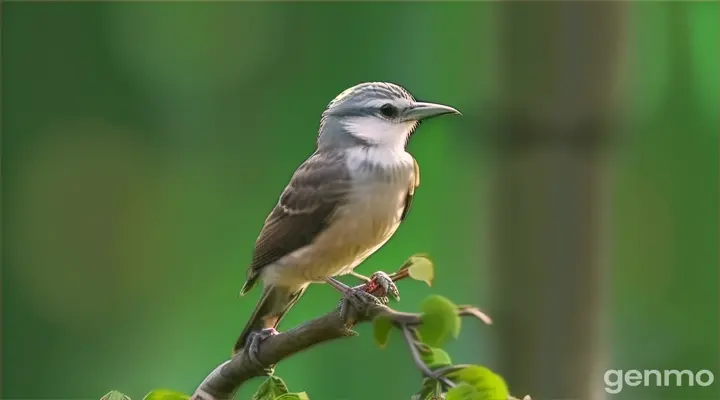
[
  {"x": 414, "y": 183},
  {"x": 316, "y": 189}
]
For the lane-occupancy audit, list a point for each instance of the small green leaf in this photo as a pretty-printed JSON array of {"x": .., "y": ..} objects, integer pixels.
[
  {"x": 115, "y": 395},
  {"x": 463, "y": 391},
  {"x": 488, "y": 384},
  {"x": 294, "y": 396},
  {"x": 382, "y": 326},
  {"x": 440, "y": 321},
  {"x": 271, "y": 389},
  {"x": 421, "y": 268},
  {"x": 436, "y": 358},
  {"x": 165, "y": 394},
  {"x": 409, "y": 262}
]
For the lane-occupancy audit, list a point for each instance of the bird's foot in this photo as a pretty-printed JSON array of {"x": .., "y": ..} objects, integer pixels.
[
  {"x": 382, "y": 286},
  {"x": 253, "y": 346},
  {"x": 355, "y": 304}
]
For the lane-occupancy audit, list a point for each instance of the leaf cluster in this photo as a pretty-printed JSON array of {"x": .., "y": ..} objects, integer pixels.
[
  {"x": 275, "y": 388},
  {"x": 441, "y": 323}
]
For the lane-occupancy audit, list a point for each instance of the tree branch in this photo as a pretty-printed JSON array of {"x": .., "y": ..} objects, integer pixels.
[{"x": 226, "y": 379}]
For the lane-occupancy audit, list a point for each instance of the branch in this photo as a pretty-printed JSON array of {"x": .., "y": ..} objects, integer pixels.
[{"x": 226, "y": 379}]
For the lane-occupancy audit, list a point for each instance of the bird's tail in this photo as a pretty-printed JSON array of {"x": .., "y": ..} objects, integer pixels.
[{"x": 270, "y": 309}]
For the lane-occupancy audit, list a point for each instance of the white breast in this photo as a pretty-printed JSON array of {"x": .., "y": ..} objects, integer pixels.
[
  {"x": 369, "y": 218},
  {"x": 381, "y": 180}
]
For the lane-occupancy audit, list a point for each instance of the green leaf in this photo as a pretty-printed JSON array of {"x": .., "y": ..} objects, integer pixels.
[
  {"x": 165, "y": 394},
  {"x": 440, "y": 321},
  {"x": 115, "y": 395},
  {"x": 271, "y": 389},
  {"x": 382, "y": 326},
  {"x": 489, "y": 385},
  {"x": 421, "y": 268},
  {"x": 294, "y": 396},
  {"x": 436, "y": 358},
  {"x": 463, "y": 391}
]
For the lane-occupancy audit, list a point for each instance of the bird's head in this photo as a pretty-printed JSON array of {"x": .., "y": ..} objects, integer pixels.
[{"x": 376, "y": 114}]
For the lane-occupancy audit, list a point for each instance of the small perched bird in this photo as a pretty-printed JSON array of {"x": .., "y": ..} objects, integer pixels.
[{"x": 342, "y": 204}]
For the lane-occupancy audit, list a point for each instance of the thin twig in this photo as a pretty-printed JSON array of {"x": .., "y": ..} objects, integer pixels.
[
  {"x": 395, "y": 276},
  {"x": 417, "y": 358},
  {"x": 444, "y": 371},
  {"x": 466, "y": 311}
]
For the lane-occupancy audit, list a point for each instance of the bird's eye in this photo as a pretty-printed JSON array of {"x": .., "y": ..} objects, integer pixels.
[{"x": 388, "y": 110}]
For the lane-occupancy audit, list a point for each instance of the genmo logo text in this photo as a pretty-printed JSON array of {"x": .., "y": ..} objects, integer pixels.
[{"x": 616, "y": 380}]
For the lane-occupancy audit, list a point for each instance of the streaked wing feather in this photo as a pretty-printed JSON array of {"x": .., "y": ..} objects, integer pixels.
[
  {"x": 316, "y": 189},
  {"x": 414, "y": 183}
]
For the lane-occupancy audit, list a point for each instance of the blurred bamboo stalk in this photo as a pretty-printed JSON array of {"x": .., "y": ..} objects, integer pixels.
[{"x": 558, "y": 73}]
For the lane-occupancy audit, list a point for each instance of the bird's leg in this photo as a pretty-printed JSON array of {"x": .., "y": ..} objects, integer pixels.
[
  {"x": 354, "y": 299},
  {"x": 252, "y": 346},
  {"x": 339, "y": 286},
  {"x": 360, "y": 276}
]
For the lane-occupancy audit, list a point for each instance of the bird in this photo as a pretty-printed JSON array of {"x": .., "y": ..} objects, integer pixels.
[{"x": 341, "y": 205}]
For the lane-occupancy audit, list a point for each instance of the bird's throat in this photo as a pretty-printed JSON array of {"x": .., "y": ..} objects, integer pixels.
[{"x": 387, "y": 158}]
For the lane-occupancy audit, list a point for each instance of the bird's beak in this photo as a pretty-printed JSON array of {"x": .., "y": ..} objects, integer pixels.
[{"x": 420, "y": 111}]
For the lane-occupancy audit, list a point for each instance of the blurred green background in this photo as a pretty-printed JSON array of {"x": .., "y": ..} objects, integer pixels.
[{"x": 144, "y": 144}]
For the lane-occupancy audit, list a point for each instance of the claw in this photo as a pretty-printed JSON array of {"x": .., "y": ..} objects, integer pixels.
[
  {"x": 382, "y": 284},
  {"x": 356, "y": 303},
  {"x": 253, "y": 346}
]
